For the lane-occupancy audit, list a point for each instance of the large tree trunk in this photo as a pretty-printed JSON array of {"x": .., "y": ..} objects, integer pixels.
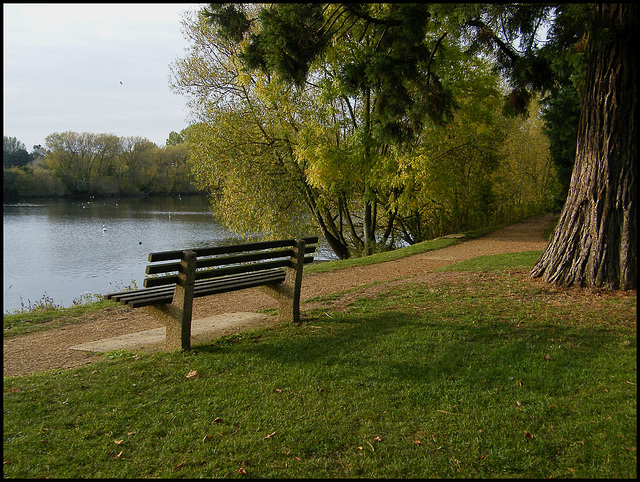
[{"x": 594, "y": 243}]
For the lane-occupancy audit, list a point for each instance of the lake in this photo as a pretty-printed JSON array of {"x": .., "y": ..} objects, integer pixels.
[{"x": 59, "y": 249}]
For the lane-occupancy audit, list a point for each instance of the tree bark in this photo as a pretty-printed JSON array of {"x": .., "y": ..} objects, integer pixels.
[{"x": 594, "y": 243}]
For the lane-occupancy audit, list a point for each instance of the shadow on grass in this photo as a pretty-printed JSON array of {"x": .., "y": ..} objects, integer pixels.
[{"x": 393, "y": 346}]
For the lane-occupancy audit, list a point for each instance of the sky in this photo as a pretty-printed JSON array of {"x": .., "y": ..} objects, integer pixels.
[{"x": 98, "y": 68}]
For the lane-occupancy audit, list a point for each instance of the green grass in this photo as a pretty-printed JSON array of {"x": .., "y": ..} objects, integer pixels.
[
  {"x": 480, "y": 374},
  {"x": 496, "y": 262},
  {"x": 45, "y": 318},
  {"x": 399, "y": 253}
]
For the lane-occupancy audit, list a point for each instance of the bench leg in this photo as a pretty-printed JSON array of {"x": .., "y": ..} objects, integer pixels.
[
  {"x": 288, "y": 293},
  {"x": 177, "y": 316},
  {"x": 176, "y": 329}
]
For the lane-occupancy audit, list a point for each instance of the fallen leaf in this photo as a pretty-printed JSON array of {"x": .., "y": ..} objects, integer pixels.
[
  {"x": 118, "y": 442},
  {"x": 377, "y": 439},
  {"x": 206, "y": 437},
  {"x": 520, "y": 383},
  {"x": 548, "y": 357},
  {"x": 131, "y": 433},
  {"x": 527, "y": 434},
  {"x": 277, "y": 390},
  {"x": 417, "y": 442},
  {"x": 270, "y": 435},
  {"x": 242, "y": 471},
  {"x": 192, "y": 374},
  {"x": 217, "y": 420},
  {"x": 360, "y": 448},
  {"x": 518, "y": 403}
]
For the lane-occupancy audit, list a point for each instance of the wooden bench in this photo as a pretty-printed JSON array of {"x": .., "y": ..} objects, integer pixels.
[{"x": 169, "y": 288}]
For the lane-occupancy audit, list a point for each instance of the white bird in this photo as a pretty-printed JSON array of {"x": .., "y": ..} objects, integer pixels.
[{"x": 104, "y": 228}]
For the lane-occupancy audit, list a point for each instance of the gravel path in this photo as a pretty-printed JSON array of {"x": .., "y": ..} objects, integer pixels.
[{"x": 50, "y": 349}]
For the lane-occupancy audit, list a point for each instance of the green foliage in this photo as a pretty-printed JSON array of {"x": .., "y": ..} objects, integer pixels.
[
  {"x": 552, "y": 65},
  {"x": 527, "y": 180},
  {"x": 369, "y": 149},
  {"x": 14, "y": 153},
  {"x": 230, "y": 18},
  {"x": 566, "y": 52},
  {"x": 390, "y": 55},
  {"x": 174, "y": 139},
  {"x": 252, "y": 187}
]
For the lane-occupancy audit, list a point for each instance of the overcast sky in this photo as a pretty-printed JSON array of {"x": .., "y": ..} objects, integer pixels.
[{"x": 99, "y": 68}]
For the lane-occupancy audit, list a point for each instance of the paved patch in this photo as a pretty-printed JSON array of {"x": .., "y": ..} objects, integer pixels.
[{"x": 203, "y": 331}]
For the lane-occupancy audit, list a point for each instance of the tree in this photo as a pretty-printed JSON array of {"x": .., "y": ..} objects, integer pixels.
[
  {"x": 360, "y": 90},
  {"x": 343, "y": 140},
  {"x": 594, "y": 243},
  {"x": 14, "y": 153},
  {"x": 527, "y": 181},
  {"x": 174, "y": 139},
  {"x": 241, "y": 149},
  {"x": 133, "y": 166}
]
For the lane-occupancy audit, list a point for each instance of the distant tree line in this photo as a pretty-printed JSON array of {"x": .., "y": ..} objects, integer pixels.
[{"x": 78, "y": 164}]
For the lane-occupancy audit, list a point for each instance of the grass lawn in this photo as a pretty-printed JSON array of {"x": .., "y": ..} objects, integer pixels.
[{"x": 482, "y": 374}]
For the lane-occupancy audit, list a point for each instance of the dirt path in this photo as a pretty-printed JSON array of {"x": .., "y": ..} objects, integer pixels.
[{"x": 50, "y": 349}]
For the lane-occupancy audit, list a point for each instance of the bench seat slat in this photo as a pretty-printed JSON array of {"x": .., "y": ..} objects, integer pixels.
[
  {"x": 161, "y": 290},
  {"x": 133, "y": 293},
  {"x": 164, "y": 294},
  {"x": 220, "y": 285}
]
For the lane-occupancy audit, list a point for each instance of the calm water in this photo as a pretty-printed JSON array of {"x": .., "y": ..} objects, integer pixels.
[{"x": 59, "y": 247}]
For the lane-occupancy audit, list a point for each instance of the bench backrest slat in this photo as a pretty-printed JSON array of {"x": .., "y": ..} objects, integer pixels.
[
  {"x": 245, "y": 262},
  {"x": 234, "y": 248},
  {"x": 222, "y": 261}
]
